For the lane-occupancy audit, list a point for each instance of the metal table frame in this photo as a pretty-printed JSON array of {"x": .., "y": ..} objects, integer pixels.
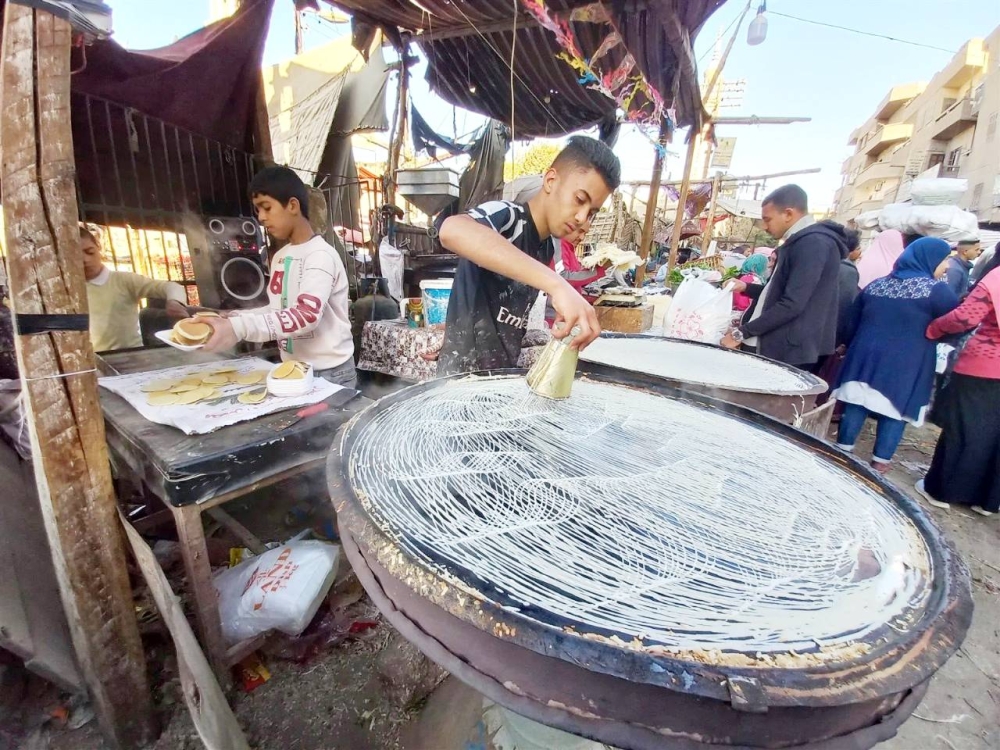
[{"x": 133, "y": 462}]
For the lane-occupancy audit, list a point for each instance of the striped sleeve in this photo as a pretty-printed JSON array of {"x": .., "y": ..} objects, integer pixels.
[{"x": 506, "y": 218}]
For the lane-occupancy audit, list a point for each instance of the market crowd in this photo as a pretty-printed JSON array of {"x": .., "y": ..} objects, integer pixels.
[{"x": 870, "y": 324}]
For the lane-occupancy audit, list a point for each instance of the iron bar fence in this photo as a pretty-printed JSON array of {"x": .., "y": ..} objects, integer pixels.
[{"x": 142, "y": 183}]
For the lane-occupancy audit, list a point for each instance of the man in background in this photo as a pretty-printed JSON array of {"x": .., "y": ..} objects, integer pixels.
[
  {"x": 793, "y": 318},
  {"x": 113, "y": 299},
  {"x": 960, "y": 266}
]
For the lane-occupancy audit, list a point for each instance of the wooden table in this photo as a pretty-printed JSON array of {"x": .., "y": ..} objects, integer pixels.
[{"x": 195, "y": 474}]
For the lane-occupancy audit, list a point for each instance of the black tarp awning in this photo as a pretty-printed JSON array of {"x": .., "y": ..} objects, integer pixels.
[
  {"x": 162, "y": 131},
  {"x": 469, "y": 46}
]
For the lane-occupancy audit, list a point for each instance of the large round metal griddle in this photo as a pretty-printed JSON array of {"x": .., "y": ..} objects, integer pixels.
[
  {"x": 743, "y": 378},
  {"x": 634, "y": 695}
]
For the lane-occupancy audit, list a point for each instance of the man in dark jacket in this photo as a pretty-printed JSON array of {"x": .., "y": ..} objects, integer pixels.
[{"x": 793, "y": 318}]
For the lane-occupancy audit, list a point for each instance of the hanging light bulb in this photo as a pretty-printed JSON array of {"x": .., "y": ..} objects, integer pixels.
[{"x": 757, "y": 32}]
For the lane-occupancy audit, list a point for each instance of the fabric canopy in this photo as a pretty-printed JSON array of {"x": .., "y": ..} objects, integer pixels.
[
  {"x": 206, "y": 82},
  {"x": 469, "y": 46}
]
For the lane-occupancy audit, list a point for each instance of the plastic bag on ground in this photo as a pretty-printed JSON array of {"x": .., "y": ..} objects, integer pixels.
[
  {"x": 699, "y": 312},
  {"x": 279, "y": 590}
]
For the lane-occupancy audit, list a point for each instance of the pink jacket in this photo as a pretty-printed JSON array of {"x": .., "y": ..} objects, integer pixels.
[{"x": 981, "y": 356}]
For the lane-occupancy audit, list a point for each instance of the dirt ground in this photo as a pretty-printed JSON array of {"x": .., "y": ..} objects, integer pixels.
[{"x": 338, "y": 702}]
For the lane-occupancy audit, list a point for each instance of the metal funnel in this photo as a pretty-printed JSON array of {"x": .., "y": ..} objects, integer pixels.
[{"x": 552, "y": 375}]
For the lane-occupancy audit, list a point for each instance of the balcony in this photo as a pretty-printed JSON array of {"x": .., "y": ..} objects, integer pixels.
[
  {"x": 958, "y": 117},
  {"x": 866, "y": 206},
  {"x": 897, "y": 98},
  {"x": 885, "y": 136},
  {"x": 877, "y": 172},
  {"x": 969, "y": 61}
]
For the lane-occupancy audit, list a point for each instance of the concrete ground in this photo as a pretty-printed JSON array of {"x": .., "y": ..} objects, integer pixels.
[{"x": 339, "y": 702}]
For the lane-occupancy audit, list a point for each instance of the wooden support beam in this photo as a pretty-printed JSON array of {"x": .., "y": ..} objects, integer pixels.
[
  {"x": 693, "y": 136},
  {"x": 675, "y": 234},
  {"x": 523, "y": 21},
  {"x": 398, "y": 128},
  {"x": 706, "y": 236},
  {"x": 60, "y": 383},
  {"x": 645, "y": 244}
]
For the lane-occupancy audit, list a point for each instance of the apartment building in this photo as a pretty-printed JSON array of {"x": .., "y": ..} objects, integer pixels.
[{"x": 949, "y": 124}]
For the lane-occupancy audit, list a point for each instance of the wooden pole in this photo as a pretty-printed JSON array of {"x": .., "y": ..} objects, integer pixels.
[
  {"x": 57, "y": 369},
  {"x": 299, "y": 44},
  {"x": 401, "y": 107},
  {"x": 645, "y": 244},
  {"x": 675, "y": 236},
  {"x": 706, "y": 236}
]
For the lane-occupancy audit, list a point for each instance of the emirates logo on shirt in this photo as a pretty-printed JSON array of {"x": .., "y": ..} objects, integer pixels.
[{"x": 507, "y": 318}]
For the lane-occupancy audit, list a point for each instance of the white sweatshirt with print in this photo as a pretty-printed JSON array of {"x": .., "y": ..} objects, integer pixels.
[{"x": 308, "y": 310}]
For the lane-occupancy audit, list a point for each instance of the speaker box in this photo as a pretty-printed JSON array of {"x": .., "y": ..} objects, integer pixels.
[{"x": 228, "y": 255}]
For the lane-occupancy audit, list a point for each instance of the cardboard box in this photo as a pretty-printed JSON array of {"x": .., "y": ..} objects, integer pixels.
[{"x": 625, "y": 319}]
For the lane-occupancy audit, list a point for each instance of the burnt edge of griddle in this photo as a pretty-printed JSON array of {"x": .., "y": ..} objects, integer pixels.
[{"x": 946, "y": 615}]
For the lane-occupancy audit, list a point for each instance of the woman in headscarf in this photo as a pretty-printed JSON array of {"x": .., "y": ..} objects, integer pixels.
[
  {"x": 966, "y": 465},
  {"x": 752, "y": 271},
  {"x": 888, "y": 372},
  {"x": 880, "y": 257}
]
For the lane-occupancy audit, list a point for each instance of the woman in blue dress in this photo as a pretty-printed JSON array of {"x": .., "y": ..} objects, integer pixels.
[{"x": 888, "y": 372}]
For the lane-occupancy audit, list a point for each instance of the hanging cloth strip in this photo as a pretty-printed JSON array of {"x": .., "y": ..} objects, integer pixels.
[{"x": 425, "y": 139}]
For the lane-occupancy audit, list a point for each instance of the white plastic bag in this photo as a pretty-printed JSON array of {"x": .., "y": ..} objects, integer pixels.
[
  {"x": 391, "y": 259},
  {"x": 279, "y": 590},
  {"x": 943, "y": 353},
  {"x": 699, "y": 312},
  {"x": 947, "y": 222}
]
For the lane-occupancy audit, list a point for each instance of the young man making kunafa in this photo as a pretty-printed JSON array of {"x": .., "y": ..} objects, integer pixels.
[{"x": 505, "y": 258}]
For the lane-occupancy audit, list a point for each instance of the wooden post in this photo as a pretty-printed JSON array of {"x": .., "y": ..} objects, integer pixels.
[
  {"x": 675, "y": 236},
  {"x": 299, "y": 45},
  {"x": 60, "y": 384},
  {"x": 401, "y": 107},
  {"x": 645, "y": 244},
  {"x": 706, "y": 236}
]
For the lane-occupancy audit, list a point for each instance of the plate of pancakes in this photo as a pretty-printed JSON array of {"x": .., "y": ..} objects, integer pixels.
[{"x": 188, "y": 334}]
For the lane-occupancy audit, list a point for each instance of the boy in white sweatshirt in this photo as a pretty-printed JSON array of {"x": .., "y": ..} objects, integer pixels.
[{"x": 308, "y": 290}]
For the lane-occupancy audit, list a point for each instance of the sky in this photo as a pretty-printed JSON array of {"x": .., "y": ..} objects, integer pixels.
[{"x": 835, "y": 77}]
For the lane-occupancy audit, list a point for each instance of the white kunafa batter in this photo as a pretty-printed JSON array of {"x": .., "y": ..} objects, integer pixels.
[
  {"x": 693, "y": 363},
  {"x": 624, "y": 512}
]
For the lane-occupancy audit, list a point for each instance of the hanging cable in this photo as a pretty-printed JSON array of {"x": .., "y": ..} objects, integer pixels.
[
  {"x": 497, "y": 52},
  {"x": 863, "y": 33}
]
